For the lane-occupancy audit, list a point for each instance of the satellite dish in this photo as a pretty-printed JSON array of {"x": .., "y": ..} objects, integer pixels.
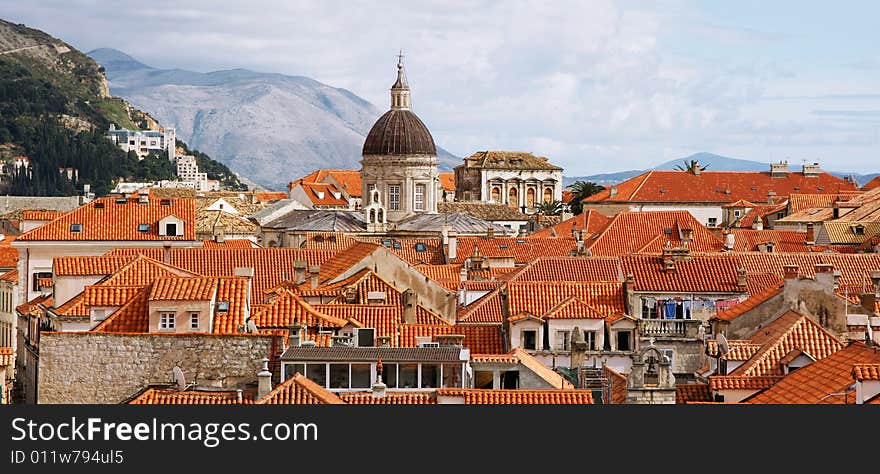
[
  {"x": 723, "y": 346},
  {"x": 179, "y": 378},
  {"x": 251, "y": 327}
]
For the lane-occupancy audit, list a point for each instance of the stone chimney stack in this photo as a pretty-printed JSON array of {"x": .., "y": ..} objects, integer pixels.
[
  {"x": 264, "y": 379},
  {"x": 825, "y": 274},
  {"x": 790, "y": 271},
  {"x": 741, "y": 281},
  {"x": 729, "y": 241},
  {"x": 452, "y": 247},
  {"x": 410, "y": 301},
  {"x": 314, "y": 270},
  {"x": 299, "y": 271},
  {"x": 811, "y": 234},
  {"x": 578, "y": 348},
  {"x": 869, "y": 303},
  {"x": 246, "y": 272}
]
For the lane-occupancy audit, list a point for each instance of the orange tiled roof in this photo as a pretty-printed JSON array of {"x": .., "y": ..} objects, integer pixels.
[
  {"x": 523, "y": 250},
  {"x": 874, "y": 183},
  {"x": 387, "y": 319},
  {"x": 117, "y": 221},
  {"x": 406, "y": 248},
  {"x": 760, "y": 212},
  {"x": 269, "y": 196},
  {"x": 476, "y": 396},
  {"x": 132, "y": 317},
  {"x": 230, "y": 243},
  {"x": 235, "y": 291},
  {"x": 11, "y": 275},
  {"x": 820, "y": 381},
  {"x": 749, "y": 303},
  {"x": 299, "y": 390},
  {"x": 573, "y": 308},
  {"x": 154, "y": 396},
  {"x": 344, "y": 260},
  {"x": 447, "y": 181},
  {"x": 747, "y": 240},
  {"x": 798, "y": 202},
  {"x": 349, "y": 180},
  {"x": 788, "y": 332},
  {"x": 740, "y": 382},
  {"x": 321, "y": 194},
  {"x": 183, "y": 289},
  {"x": 289, "y": 309},
  {"x": 84, "y": 266},
  {"x": 717, "y": 187},
  {"x": 692, "y": 392},
  {"x": 6, "y": 358},
  {"x": 327, "y": 240},
  {"x": 590, "y": 222},
  {"x": 390, "y": 398},
  {"x": 741, "y": 350},
  {"x": 509, "y": 358},
  {"x": 539, "y": 297},
  {"x": 570, "y": 269},
  {"x": 855, "y": 269},
  {"x": 32, "y": 307},
  {"x": 866, "y": 371},
  {"x": 649, "y": 232},
  {"x": 41, "y": 215},
  {"x": 704, "y": 273},
  {"x": 479, "y": 338}
]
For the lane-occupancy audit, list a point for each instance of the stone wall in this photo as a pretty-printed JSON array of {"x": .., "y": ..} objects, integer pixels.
[{"x": 109, "y": 368}]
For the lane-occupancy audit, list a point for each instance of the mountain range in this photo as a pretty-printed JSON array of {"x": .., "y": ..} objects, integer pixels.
[
  {"x": 271, "y": 128},
  {"x": 711, "y": 162}
]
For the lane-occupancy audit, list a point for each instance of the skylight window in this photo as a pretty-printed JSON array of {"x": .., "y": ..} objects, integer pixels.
[
  {"x": 386, "y": 242},
  {"x": 121, "y": 201},
  {"x": 76, "y": 227},
  {"x": 421, "y": 247},
  {"x": 165, "y": 202},
  {"x": 520, "y": 241},
  {"x": 222, "y": 306},
  {"x": 667, "y": 231},
  {"x": 143, "y": 227},
  {"x": 503, "y": 246},
  {"x": 397, "y": 245}
]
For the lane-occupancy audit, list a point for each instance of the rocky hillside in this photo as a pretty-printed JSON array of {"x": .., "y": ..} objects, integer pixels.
[
  {"x": 54, "y": 109},
  {"x": 271, "y": 128}
]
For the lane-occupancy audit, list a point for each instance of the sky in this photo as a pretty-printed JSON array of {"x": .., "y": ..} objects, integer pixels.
[{"x": 594, "y": 85}]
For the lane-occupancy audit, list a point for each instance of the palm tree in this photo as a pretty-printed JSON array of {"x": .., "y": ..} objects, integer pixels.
[
  {"x": 581, "y": 190},
  {"x": 551, "y": 208},
  {"x": 691, "y": 166}
]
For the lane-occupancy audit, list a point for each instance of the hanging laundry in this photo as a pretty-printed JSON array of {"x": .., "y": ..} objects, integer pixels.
[
  {"x": 670, "y": 309},
  {"x": 687, "y": 305}
]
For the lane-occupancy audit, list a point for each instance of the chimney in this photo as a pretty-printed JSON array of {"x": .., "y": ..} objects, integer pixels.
[
  {"x": 379, "y": 386},
  {"x": 790, "y": 271},
  {"x": 220, "y": 234},
  {"x": 741, "y": 281},
  {"x": 299, "y": 271},
  {"x": 811, "y": 234},
  {"x": 835, "y": 210},
  {"x": 239, "y": 396},
  {"x": 578, "y": 348},
  {"x": 490, "y": 232},
  {"x": 293, "y": 337},
  {"x": 264, "y": 380},
  {"x": 779, "y": 170},
  {"x": 729, "y": 241},
  {"x": 758, "y": 224},
  {"x": 246, "y": 272},
  {"x": 166, "y": 254},
  {"x": 452, "y": 249},
  {"x": 463, "y": 274},
  {"x": 613, "y": 191},
  {"x": 697, "y": 169},
  {"x": 869, "y": 304},
  {"x": 314, "y": 270},
  {"x": 143, "y": 198},
  {"x": 825, "y": 274},
  {"x": 668, "y": 263},
  {"x": 687, "y": 235},
  {"x": 409, "y": 306},
  {"x": 811, "y": 171},
  {"x": 875, "y": 278}
]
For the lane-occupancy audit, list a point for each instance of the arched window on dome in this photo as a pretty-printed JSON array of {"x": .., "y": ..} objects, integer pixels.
[{"x": 548, "y": 194}]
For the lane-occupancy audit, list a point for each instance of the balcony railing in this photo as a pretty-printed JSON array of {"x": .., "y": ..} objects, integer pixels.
[{"x": 689, "y": 328}]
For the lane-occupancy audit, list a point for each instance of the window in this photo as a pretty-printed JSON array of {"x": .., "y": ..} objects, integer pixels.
[
  {"x": 360, "y": 376},
  {"x": 669, "y": 353},
  {"x": 859, "y": 230},
  {"x": 193, "y": 320},
  {"x": 37, "y": 276},
  {"x": 430, "y": 376},
  {"x": 513, "y": 197},
  {"x": 421, "y": 247},
  {"x": 76, "y": 227},
  {"x": 780, "y": 215},
  {"x": 737, "y": 213},
  {"x": 419, "y": 197},
  {"x": 529, "y": 340},
  {"x": 530, "y": 197},
  {"x": 338, "y": 375},
  {"x": 394, "y": 197},
  {"x": 389, "y": 375},
  {"x": 548, "y": 194},
  {"x": 223, "y": 306},
  {"x": 167, "y": 320},
  {"x": 143, "y": 227},
  {"x": 649, "y": 308},
  {"x": 452, "y": 376},
  {"x": 290, "y": 369},
  {"x": 590, "y": 339},
  {"x": 496, "y": 194},
  {"x": 408, "y": 376},
  {"x": 563, "y": 338},
  {"x": 624, "y": 340},
  {"x": 713, "y": 221},
  {"x": 317, "y": 373},
  {"x": 171, "y": 229}
]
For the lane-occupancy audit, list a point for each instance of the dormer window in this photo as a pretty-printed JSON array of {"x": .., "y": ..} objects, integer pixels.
[
  {"x": 859, "y": 230},
  {"x": 76, "y": 228},
  {"x": 171, "y": 229},
  {"x": 121, "y": 201},
  {"x": 223, "y": 306},
  {"x": 421, "y": 247},
  {"x": 165, "y": 202},
  {"x": 143, "y": 227}
]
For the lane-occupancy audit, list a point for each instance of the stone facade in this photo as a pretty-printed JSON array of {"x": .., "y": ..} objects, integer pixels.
[
  {"x": 108, "y": 368},
  {"x": 517, "y": 179}
]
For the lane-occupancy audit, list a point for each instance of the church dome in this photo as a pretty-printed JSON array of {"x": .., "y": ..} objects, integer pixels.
[{"x": 399, "y": 132}]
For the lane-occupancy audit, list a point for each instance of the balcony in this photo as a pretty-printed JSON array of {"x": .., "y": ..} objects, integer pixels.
[{"x": 660, "y": 328}]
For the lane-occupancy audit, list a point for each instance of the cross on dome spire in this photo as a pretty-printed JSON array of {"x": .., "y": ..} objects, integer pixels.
[{"x": 400, "y": 89}]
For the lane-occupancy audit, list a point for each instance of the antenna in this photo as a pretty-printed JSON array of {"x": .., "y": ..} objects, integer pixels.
[{"x": 179, "y": 378}]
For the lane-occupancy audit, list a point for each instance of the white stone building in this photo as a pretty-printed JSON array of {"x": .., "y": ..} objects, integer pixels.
[
  {"x": 518, "y": 179},
  {"x": 144, "y": 142}
]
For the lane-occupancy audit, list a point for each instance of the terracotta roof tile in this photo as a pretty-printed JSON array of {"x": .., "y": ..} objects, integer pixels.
[
  {"x": 299, "y": 390},
  {"x": 649, "y": 232},
  {"x": 570, "y": 269},
  {"x": 539, "y": 298},
  {"x": 183, "y": 289},
  {"x": 83, "y": 266},
  {"x": 618, "y": 382},
  {"x": 235, "y": 291},
  {"x": 523, "y": 250},
  {"x": 41, "y": 215},
  {"x": 589, "y": 222},
  {"x": 874, "y": 183},
  {"x": 230, "y": 243},
  {"x": 749, "y": 303},
  {"x": 573, "y": 308},
  {"x": 747, "y": 382},
  {"x": 155, "y": 396},
  {"x": 717, "y": 186},
  {"x": 692, "y": 392},
  {"x": 349, "y": 180},
  {"x": 289, "y": 309},
  {"x": 798, "y": 202},
  {"x": 269, "y": 196},
  {"x": 117, "y": 221},
  {"x": 475, "y": 396},
  {"x": 705, "y": 273},
  {"x": 855, "y": 269},
  {"x": 747, "y": 240},
  {"x": 866, "y": 371},
  {"x": 390, "y": 398},
  {"x": 32, "y": 307},
  {"x": 447, "y": 181},
  {"x": 132, "y": 317},
  {"x": 414, "y": 250},
  {"x": 344, "y": 260},
  {"x": 11, "y": 275},
  {"x": 822, "y": 381},
  {"x": 385, "y": 318},
  {"x": 788, "y": 332},
  {"x": 741, "y": 350}
]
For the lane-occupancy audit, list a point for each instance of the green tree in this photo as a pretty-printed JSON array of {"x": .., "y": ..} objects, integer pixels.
[
  {"x": 581, "y": 190},
  {"x": 690, "y": 166},
  {"x": 552, "y": 208}
]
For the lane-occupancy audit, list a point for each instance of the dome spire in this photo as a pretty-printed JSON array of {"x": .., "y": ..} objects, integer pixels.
[{"x": 400, "y": 89}]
